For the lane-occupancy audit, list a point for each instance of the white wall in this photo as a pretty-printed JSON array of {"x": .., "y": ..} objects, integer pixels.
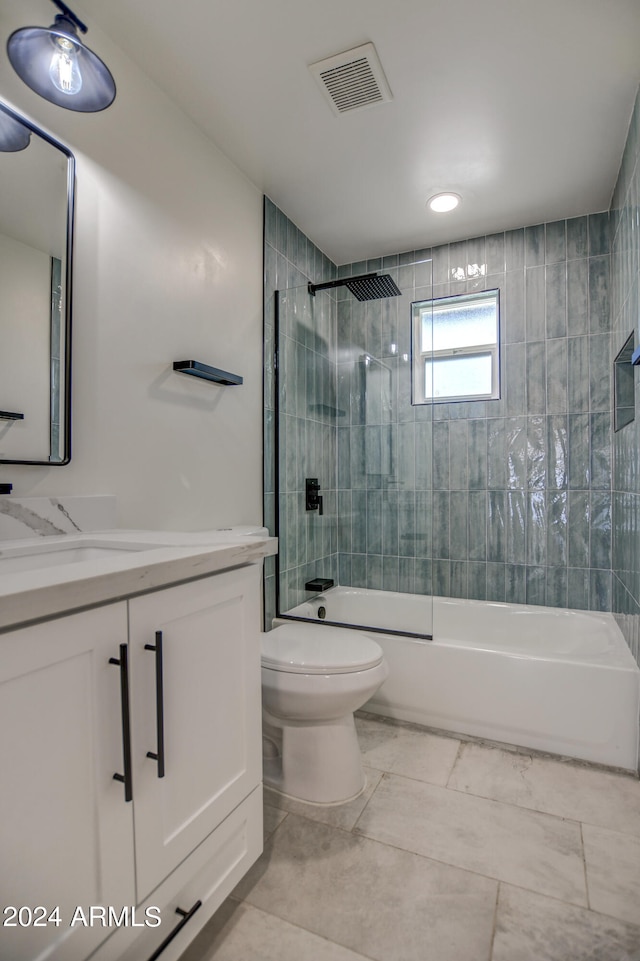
[{"x": 167, "y": 266}]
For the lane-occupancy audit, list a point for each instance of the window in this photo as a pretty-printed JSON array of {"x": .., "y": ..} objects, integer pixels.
[{"x": 456, "y": 348}]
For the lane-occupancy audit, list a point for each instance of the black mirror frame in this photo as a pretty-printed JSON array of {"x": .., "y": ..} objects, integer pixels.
[{"x": 66, "y": 365}]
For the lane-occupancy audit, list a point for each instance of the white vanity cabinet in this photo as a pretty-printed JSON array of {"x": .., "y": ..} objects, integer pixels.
[
  {"x": 68, "y": 836},
  {"x": 211, "y": 708},
  {"x": 66, "y": 833}
]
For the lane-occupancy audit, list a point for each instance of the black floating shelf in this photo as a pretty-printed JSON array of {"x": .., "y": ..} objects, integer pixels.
[
  {"x": 212, "y": 374},
  {"x": 319, "y": 584},
  {"x": 10, "y": 415}
]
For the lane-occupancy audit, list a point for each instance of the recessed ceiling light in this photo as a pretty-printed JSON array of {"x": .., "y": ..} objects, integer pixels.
[{"x": 441, "y": 203}]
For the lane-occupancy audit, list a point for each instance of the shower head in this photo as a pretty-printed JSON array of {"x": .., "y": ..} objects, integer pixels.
[{"x": 363, "y": 287}]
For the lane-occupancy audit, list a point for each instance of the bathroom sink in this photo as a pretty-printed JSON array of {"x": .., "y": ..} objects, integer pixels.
[{"x": 33, "y": 557}]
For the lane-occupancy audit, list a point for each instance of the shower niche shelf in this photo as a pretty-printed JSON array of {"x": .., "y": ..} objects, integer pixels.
[{"x": 213, "y": 374}]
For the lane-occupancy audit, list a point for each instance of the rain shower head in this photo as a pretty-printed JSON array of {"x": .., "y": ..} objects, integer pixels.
[{"x": 363, "y": 287}]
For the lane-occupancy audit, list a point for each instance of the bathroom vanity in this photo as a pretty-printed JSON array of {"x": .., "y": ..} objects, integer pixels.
[{"x": 130, "y": 748}]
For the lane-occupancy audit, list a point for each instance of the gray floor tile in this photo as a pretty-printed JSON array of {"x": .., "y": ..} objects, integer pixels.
[
  {"x": 546, "y": 784},
  {"x": 388, "y": 904},
  {"x": 536, "y": 851},
  {"x": 240, "y": 932},
  {"x": 613, "y": 872},
  {"x": 530, "y": 927},
  {"x": 272, "y": 816},
  {"x": 338, "y": 815},
  {"x": 401, "y": 750}
]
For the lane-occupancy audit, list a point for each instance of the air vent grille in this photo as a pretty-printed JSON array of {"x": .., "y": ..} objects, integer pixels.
[{"x": 352, "y": 80}]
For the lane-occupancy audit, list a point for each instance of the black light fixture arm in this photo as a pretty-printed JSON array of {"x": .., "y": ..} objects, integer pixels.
[{"x": 70, "y": 15}]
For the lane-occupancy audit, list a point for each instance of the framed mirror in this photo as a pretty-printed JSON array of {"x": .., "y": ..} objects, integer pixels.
[{"x": 37, "y": 178}]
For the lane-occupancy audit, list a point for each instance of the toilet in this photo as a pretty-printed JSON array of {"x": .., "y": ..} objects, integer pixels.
[{"x": 314, "y": 677}]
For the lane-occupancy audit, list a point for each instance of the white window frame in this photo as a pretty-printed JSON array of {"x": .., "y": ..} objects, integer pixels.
[{"x": 420, "y": 357}]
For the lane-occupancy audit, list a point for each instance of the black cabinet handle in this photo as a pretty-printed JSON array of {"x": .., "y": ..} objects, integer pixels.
[
  {"x": 185, "y": 918},
  {"x": 125, "y": 778},
  {"x": 159, "y": 756}
]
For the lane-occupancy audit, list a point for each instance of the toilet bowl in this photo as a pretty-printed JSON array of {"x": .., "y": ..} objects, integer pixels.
[{"x": 313, "y": 678}]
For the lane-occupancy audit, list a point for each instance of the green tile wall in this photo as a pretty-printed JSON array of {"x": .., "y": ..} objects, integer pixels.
[
  {"x": 500, "y": 500},
  {"x": 503, "y": 500}
]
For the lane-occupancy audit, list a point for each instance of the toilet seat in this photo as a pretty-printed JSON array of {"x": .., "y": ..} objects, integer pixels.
[{"x": 318, "y": 649}]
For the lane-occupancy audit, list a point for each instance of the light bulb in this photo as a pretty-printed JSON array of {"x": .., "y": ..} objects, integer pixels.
[{"x": 64, "y": 70}]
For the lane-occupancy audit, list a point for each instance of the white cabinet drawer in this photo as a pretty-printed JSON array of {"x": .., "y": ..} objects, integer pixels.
[{"x": 208, "y": 875}]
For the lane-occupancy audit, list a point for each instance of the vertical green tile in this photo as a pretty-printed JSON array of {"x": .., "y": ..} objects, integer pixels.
[
  {"x": 477, "y": 581},
  {"x": 514, "y": 249},
  {"x": 496, "y": 527},
  {"x": 536, "y": 528},
  {"x": 577, "y": 238},
  {"x": 495, "y": 253},
  {"x": 598, "y": 234},
  {"x": 556, "y": 587},
  {"x": 556, "y": 300},
  {"x": 441, "y": 474},
  {"x": 557, "y": 546},
  {"x": 578, "y": 589},
  {"x": 496, "y": 582},
  {"x": 441, "y": 524},
  {"x": 555, "y": 242},
  {"x": 536, "y": 585},
  {"x": 536, "y": 378},
  {"x": 534, "y": 245},
  {"x": 557, "y": 452},
  {"x": 599, "y": 320},
  {"x": 556, "y": 376},
  {"x": 578, "y": 376},
  {"x": 512, "y": 307},
  {"x": 516, "y": 584},
  {"x": 535, "y": 304},
  {"x": 577, "y": 297},
  {"x": 514, "y": 378}
]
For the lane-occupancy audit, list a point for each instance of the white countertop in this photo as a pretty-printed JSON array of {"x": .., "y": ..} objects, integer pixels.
[{"x": 31, "y": 595}]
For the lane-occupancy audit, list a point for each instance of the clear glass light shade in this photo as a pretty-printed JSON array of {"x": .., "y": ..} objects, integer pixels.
[
  {"x": 14, "y": 135},
  {"x": 56, "y": 64}
]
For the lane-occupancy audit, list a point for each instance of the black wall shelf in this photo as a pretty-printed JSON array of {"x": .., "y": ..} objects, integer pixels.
[
  {"x": 213, "y": 374},
  {"x": 10, "y": 415}
]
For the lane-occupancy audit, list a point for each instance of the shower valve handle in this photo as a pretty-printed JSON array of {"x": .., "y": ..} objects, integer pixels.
[{"x": 313, "y": 499}]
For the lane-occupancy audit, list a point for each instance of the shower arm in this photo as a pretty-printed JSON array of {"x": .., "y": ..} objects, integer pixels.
[{"x": 331, "y": 284}]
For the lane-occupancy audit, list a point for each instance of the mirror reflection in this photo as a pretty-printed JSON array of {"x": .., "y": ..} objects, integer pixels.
[{"x": 36, "y": 206}]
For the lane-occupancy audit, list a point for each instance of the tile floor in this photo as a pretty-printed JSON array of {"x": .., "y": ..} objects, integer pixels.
[{"x": 457, "y": 851}]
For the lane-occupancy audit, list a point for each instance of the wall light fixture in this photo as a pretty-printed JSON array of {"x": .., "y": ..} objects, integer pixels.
[
  {"x": 55, "y": 63},
  {"x": 14, "y": 135}
]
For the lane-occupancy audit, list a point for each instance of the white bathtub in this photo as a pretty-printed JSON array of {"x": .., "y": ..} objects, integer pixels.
[{"x": 554, "y": 680}]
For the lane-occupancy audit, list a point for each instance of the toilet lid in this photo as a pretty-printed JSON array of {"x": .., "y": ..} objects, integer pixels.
[{"x": 318, "y": 649}]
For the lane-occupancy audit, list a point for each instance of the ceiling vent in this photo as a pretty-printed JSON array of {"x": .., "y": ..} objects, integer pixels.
[{"x": 352, "y": 80}]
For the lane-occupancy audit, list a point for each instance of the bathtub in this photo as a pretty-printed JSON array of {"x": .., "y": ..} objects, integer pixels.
[{"x": 559, "y": 681}]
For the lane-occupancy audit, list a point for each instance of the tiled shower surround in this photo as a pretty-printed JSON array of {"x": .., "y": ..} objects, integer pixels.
[
  {"x": 500, "y": 500},
  {"x": 625, "y": 302},
  {"x": 530, "y": 498}
]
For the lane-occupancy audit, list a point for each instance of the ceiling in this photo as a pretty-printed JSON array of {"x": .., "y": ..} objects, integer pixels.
[{"x": 520, "y": 106}]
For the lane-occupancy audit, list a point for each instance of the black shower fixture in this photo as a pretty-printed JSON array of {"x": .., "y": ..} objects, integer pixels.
[{"x": 363, "y": 287}]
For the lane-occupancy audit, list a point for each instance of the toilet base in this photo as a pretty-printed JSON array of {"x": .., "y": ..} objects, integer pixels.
[{"x": 314, "y": 762}]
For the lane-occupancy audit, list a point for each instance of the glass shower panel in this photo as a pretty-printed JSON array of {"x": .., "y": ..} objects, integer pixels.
[
  {"x": 346, "y": 421},
  {"x": 306, "y": 444}
]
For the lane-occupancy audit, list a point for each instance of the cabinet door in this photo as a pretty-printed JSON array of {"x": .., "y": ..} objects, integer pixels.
[
  {"x": 66, "y": 832},
  {"x": 211, "y": 708}
]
